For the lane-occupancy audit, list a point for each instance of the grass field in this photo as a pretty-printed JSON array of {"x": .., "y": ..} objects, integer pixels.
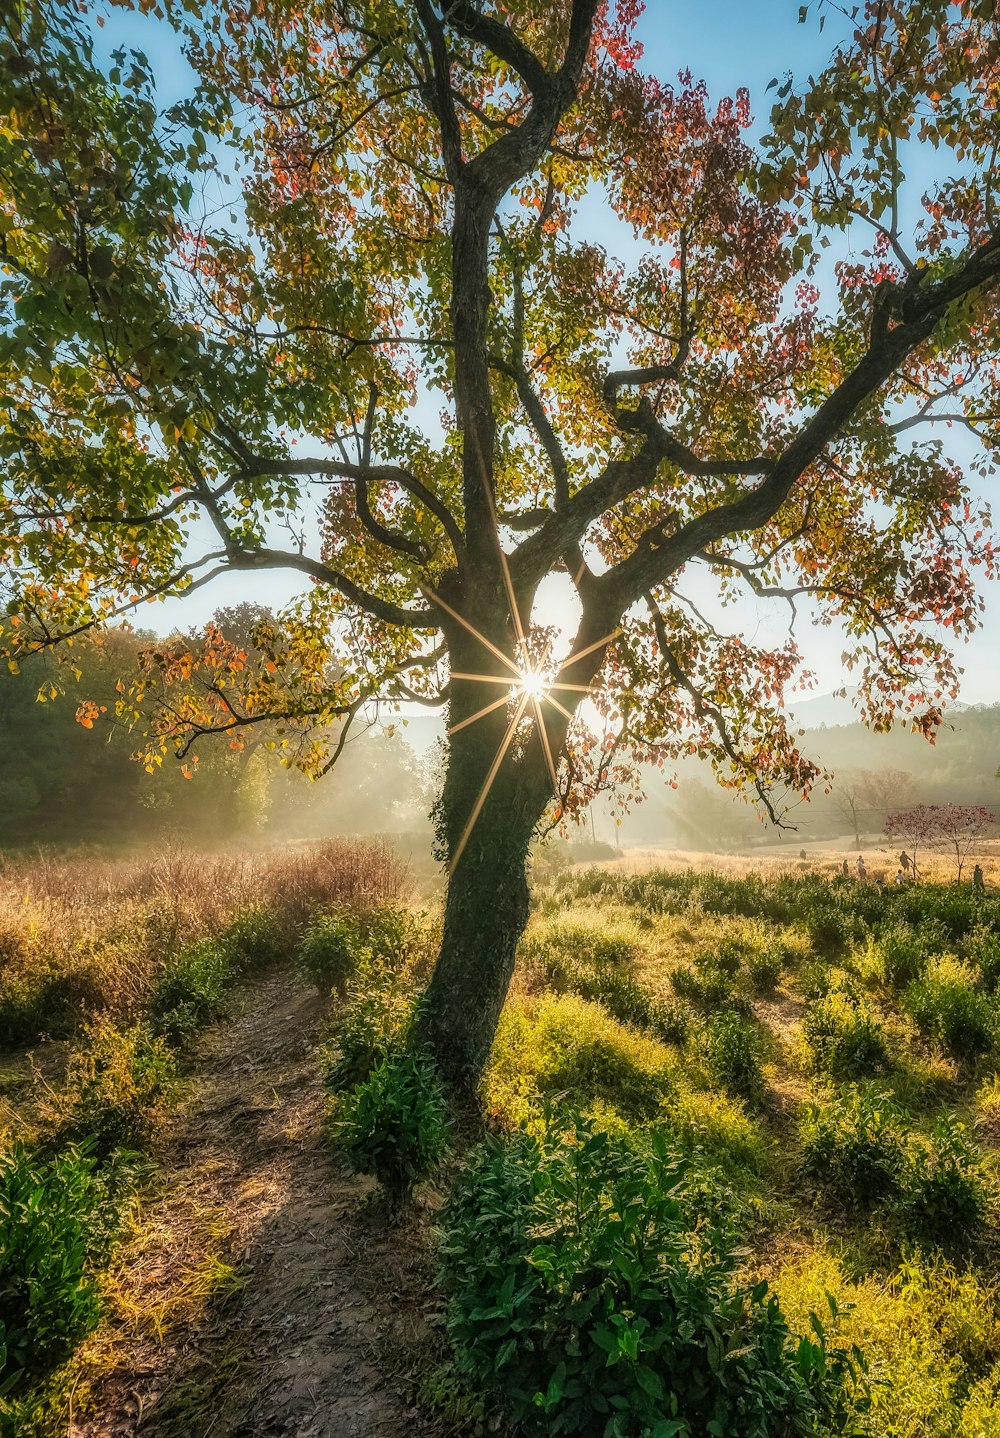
[{"x": 737, "y": 1158}]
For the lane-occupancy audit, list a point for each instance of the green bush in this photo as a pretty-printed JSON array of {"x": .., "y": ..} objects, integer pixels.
[
  {"x": 374, "y": 1028},
  {"x": 828, "y": 928},
  {"x": 731, "y": 1047},
  {"x": 567, "y": 1045},
  {"x": 588, "y": 1296},
  {"x": 46, "y": 1002},
  {"x": 48, "y": 1301},
  {"x": 391, "y": 934},
  {"x": 255, "y": 939},
  {"x": 189, "y": 993},
  {"x": 706, "y": 984},
  {"x": 944, "y": 1201},
  {"x": 331, "y": 950},
  {"x": 395, "y": 1125},
  {"x": 114, "y": 1091},
  {"x": 624, "y": 998},
  {"x": 763, "y": 969},
  {"x": 983, "y": 948},
  {"x": 903, "y": 954},
  {"x": 945, "y": 1006},
  {"x": 843, "y": 1037},
  {"x": 853, "y": 1148}
]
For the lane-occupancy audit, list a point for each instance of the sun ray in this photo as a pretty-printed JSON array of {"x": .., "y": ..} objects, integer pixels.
[
  {"x": 483, "y": 678},
  {"x": 479, "y": 714},
  {"x": 505, "y": 744},
  {"x": 436, "y": 599},
  {"x": 550, "y": 698},
  {"x": 544, "y": 738},
  {"x": 582, "y": 654}
]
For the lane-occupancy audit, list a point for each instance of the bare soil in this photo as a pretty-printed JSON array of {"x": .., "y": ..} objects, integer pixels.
[{"x": 263, "y": 1293}]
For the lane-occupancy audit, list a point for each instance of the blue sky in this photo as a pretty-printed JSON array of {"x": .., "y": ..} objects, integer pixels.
[{"x": 729, "y": 44}]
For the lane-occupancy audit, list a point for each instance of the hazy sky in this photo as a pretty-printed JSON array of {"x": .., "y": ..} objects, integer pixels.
[{"x": 729, "y": 43}]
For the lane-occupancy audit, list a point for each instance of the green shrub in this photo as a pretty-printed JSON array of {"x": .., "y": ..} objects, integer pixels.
[
  {"x": 48, "y": 1301},
  {"x": 331, "y": 950},
  {"x": 566, "y": 1045},
  {"x": 731, "y": 1047},
  {"x": 255, "y": 939},
  {"x": 624, "y": 998},
  {"x": 189, "y": 993},
  {"x": 945, "y": 1006},
  {"x": 588, "y": 1296},
  {"x": 843, "y": 1037},
  {"x": 853, "y": 1148},
  {"x": 763, "y": 969},
  {"x": 706, "y": 984},
  {"x": 828, "y": 929},
  {"x": 391, "y": 934},
  {"x": 718, "y": 1125},
  {"x": 903, "y": 954},
  {"x": 43, "y": 1002},
  {"x": 983, "y": 948},
  {"x": 114, "y": 1091},
  {"x": 374, "y": 1028},
  {"x": 816, "y": 979},
  {"x": 395, "y": 1125},
  {"x": 944, "y": 1201}
]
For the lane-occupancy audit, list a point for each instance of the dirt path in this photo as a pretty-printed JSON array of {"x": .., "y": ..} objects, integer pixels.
[{"x": 261, "y": 1295}]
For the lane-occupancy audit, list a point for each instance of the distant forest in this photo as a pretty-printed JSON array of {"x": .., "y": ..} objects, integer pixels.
[{"x": 63, "y": 784}]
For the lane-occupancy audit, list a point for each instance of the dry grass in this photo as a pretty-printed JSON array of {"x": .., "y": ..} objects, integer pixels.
[
  {"x": 80, "y": 936},
  {"x": 880, "y": 857}
]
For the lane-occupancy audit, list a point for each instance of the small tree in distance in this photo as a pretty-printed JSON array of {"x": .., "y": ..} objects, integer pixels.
[
  {"x": 955, "y": 827},
  {"x": 869, "y": 792}
]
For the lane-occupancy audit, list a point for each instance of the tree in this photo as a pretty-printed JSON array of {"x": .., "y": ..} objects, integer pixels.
[
  {"x": 941, "y": 826},
  {"x": 871, "y": 791},
  {"x": 267, "y": 358}
]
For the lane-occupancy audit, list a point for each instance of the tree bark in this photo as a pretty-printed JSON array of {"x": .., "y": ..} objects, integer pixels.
[{"x": 486, "y": 909}]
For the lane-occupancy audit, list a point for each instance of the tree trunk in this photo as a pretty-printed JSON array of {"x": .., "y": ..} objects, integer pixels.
[
  {"x": 485, "y": 915},
  {"x": 487, "y": 902}
]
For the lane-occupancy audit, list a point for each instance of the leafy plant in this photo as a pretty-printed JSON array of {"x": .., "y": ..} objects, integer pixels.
[
  {"x": 48, "y": 1300},
  {"x": 255, "y": 938},
  {"x": 395, "y": 1124},
  {"x": 946, "y": 1006},
  {"x": 588, "y": 1296},
  {"x": 331, "y": 951},
  {"x": 373, "y": 1029},
  {"x": 944, "y": 1200},
  {"x": 843, "y": 1037},
  {"x": 113, "y": 1092},
  {"x": 569, "y": 1046},
  {"x": 763, "y": 968},
  {"x": 732, "y": 1047},
  {"x": 189, "y": 992},
  {"x": 853, "y": 1148}
]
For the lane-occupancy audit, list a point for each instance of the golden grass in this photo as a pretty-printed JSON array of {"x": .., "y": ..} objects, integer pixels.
[
  {"x": 880, "y": 858},
  {"x": 87, "y": 936}
]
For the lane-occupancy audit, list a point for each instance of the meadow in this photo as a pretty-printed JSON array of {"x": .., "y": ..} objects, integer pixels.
[{"x": 732, "y": 1168}]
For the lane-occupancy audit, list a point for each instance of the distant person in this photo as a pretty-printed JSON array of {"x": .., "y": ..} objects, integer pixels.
[
  {"x": 802, "y": 853},
  {"x": 862, "y": 871},
  {"x": 904, "y": 861},
  {"x": 978, "y": 882},
  {"x": 846, "y": 870},
  {"x": 900, "y": 876}
]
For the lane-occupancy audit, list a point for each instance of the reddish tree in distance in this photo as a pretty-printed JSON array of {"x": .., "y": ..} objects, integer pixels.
[
  {"x": 956, "y": 827},
  {"x": 393, "y": 360}
]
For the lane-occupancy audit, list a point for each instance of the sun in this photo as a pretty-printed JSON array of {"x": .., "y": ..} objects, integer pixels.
[{"x": 533, "y": 684}]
